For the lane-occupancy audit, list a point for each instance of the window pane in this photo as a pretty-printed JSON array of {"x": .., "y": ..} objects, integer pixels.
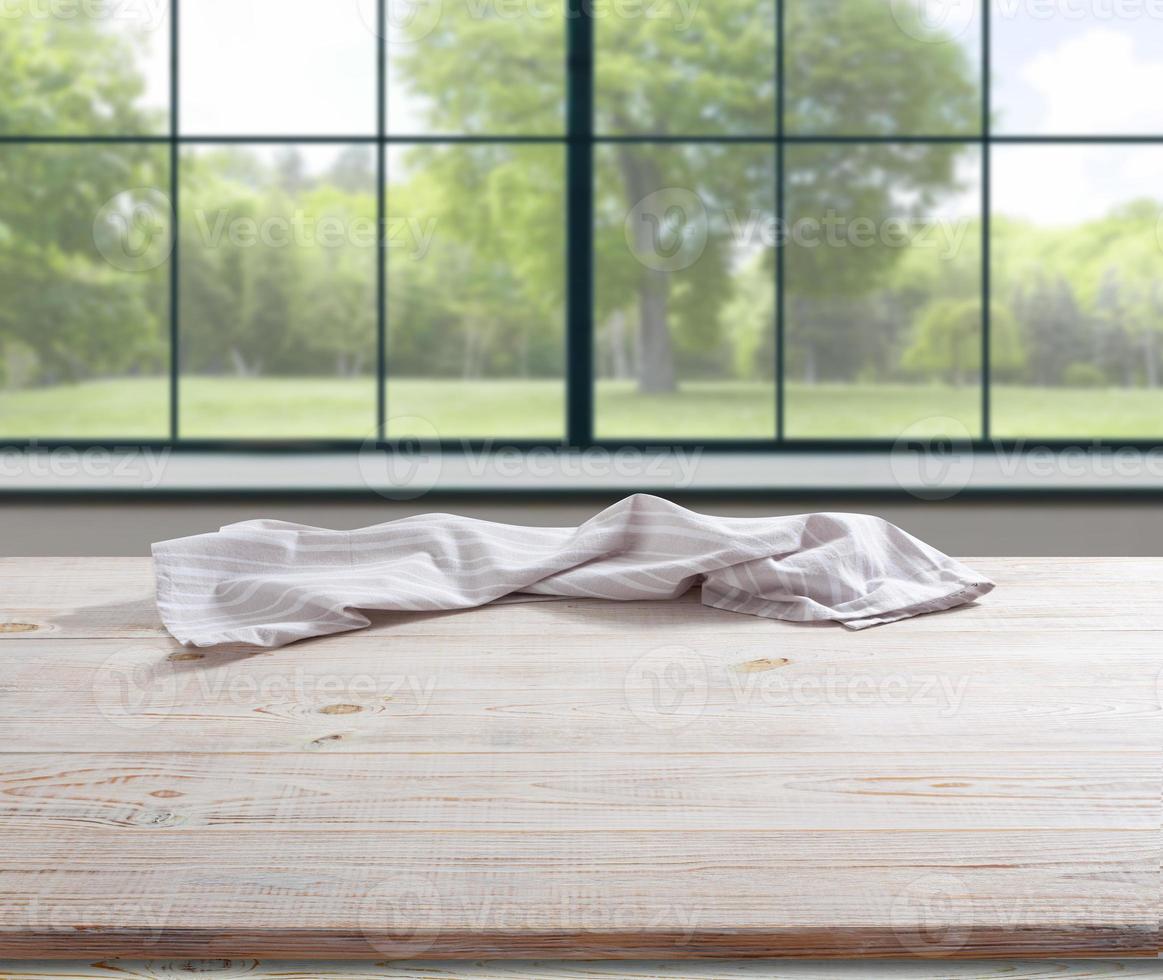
[
  {"x": 682, "y": 68},
  {"x": 463, "y": 67},
  {"x": 1078, "y": 277},
  {"x": 1077, "y": 69},
  {"x": 278, "y": 313},
  {"x": 277, "y": 67},
  {"x": 84, "y": 291},
  {"x": 883, "y": 299},
  {"x": 883, "y": 67},
  {"x": 685, "y": 291},
  {"x": 476, "y": 291},
  {"x": 84, "y": 69}
]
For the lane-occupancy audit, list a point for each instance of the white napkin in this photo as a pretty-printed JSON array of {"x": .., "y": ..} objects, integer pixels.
[{"x": 269, "y": 583}]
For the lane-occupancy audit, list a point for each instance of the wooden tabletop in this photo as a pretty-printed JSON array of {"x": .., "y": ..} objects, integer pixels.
[{"x": 571, "y": 779}]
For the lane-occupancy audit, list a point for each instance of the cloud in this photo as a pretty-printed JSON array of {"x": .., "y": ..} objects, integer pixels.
[{"x": 1096, "y": 84}]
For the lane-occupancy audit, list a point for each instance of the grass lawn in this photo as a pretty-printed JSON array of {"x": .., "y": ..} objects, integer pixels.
[{"x": 327, "y": 408}]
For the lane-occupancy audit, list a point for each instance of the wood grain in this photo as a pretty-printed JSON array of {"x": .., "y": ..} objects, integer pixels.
[
  {"x": 812, "y": 691},
  {"x": 86, "y": 598},
  {"x": 621, "y": 970},
  {"x": 514, "y": 792},
  {"x": 583, "y": 780}
]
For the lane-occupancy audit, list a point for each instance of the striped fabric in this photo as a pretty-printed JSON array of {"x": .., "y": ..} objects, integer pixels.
[{"x": 269, "y": 583}]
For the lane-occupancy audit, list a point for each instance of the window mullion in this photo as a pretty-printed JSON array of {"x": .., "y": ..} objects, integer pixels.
[
  {"x": 175, "y": 162},
  {"x": 579, "y": 258},
  {"x": 986, "y": 219},
  {"x": 780, "y": 220},
  {"x": 381, "y": 221}
]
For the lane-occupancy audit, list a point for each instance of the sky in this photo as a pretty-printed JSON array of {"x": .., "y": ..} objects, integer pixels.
[{"x": 1060, "y": 67}]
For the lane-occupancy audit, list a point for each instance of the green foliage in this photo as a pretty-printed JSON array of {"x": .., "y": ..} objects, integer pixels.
[
  {"x": 1083, "y": 375},
  {"x": 948, "y": 342},
  {"x": 476, "y": 266},
  {"x": 71, "y": 75}
]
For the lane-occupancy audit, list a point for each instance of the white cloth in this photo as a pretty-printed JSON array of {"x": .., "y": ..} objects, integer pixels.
[{"x": 268, "y": 582}]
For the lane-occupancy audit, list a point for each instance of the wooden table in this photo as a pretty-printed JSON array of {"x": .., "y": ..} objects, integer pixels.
[{"x": 571, "y": 780}]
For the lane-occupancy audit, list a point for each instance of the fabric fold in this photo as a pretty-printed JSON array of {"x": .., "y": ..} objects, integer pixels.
[{"x": 269, "y": 583}]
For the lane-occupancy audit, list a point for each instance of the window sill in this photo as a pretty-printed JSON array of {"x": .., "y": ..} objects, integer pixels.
[{"x": 924, "y": 476}]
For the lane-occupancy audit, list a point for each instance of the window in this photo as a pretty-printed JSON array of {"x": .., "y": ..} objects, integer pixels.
[{"x": 755, "y": 223}]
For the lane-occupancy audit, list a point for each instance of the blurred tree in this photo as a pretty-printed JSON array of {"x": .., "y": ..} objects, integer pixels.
[
  {"x": 948, "y": 342},
  {"x": 72, "y": 75},
  {"x": 657, "y": 76}
]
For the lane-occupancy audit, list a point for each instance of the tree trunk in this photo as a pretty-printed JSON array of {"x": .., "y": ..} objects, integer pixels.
[
  {"x": 1150, "y": 359},
  {"x": 239, "y": 363},
  {"x": 656, "y": 372},
  {"x": 656, "y": 354},
  {"x": 620, "y": 355}
]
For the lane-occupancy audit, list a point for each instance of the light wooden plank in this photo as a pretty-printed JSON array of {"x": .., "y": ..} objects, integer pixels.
[
  {"x": 68, "y": 793},
  {"x": 620, "y": 970},
  {"x": 353, "y": 894},
  {"x": 816, "y": 692},
  {"x": 59, "y": 598},
  {"x": 585, "y": 779}
]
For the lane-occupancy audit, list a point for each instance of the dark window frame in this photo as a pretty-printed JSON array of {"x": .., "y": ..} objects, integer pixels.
[{"x": 579, "y": 140}]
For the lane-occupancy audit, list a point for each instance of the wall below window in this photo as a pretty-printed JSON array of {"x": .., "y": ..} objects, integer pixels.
[{"x": 962, "y": 527}]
